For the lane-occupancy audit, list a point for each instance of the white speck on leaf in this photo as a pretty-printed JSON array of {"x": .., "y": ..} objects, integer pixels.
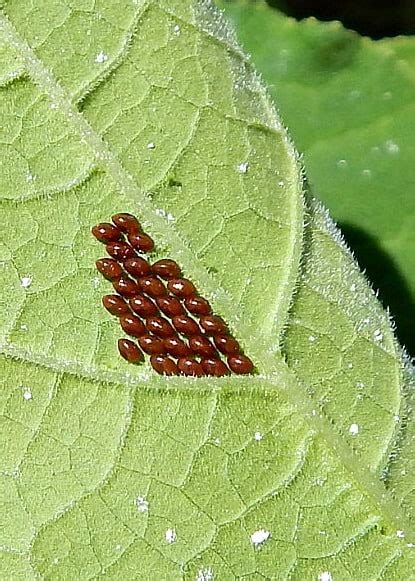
[
  {"x": 325, "y": 576},
  {"x": 163, "y": 214},
  {"x": 170, "y": 535},
  {"x": 400, "y": 534},
  {"x": 258, "y": 436},
  {"x": 367, "y": 173},
  {"x": 353, "y": 288},
  {"x": 311, "y": 338},
  {"x": 23, "y": 327},
  {"x": 26, "y": 281},
  {"x": 378, "y": 335},
  {"x": 259, "y": 537},
  {"x": 141, "y": 504},
  {"x": 281, "y": 183},
  {"x": 205, "y": 575},
  {"x": 354, "y": 429},
  {"x": 342, "y": 163},
  {"x": 96, "y": 281},
  {"x": 243, "y": 167},
  {"x": 101, "y": 57},
  {"x": 27, "y": 393},
  {"x": 392, "y": 147},
  {"x": 30, "y": 177},
  {"x": 177, "y": 30},
  {"x": 151, "y": 145}
]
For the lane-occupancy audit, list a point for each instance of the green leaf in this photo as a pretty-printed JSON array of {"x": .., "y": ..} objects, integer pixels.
[
  {"x": 403, "y": 48},
  {"x": 349, "y": 104},
  {"x": 107, "y": 469}
]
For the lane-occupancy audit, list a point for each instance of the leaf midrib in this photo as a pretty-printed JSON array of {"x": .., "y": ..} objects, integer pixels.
[{"x": 287, "y": 383}]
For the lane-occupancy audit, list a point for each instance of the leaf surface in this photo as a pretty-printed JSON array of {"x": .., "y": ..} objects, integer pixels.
[{"x": 109, "y": 470}]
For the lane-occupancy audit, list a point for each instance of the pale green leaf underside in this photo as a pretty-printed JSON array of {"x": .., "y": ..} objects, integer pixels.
[{"x": 84, "y": 89}]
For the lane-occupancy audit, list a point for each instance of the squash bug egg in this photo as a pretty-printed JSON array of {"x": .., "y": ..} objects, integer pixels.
[
  {"x": 143, "y": 306},
  {"x": 120, "y": 250},
  {"x": 215, "y": 367},
  {"x": 159, "y": 326},
  {"x": 176, "y": 347},
  {"x": 132, "y": 325},
  {"x": 126, "y": 223},
  {"x": 197, "y": 306},
  {"x": 226, "y": 344},
  {"x": 213, "y": 325},
  {"x": 189, "y": 366},
  {"x": 240, "y": 364},
  {"x": 137, "y": 266},
  {"x": 186, "y": 325},
  {"x": 164, "y": 365},
  {"x": 202, "y": 346},
  {"x": 181, "y": 287},
  {"x": 130, "y": 351},
  {"x": 106, "y": 232},
  {"x": 126, "y": 287},
  {"x": 109, "y": 268},
  {"x": 115, "y": 305},
  {"x": 151, "y": 345},
  {"x": 170, "y": 306},
  {"x": 166, "y": 269},
  {"x": 141, "y": 242},
  {"x": 152, "y": 286}
]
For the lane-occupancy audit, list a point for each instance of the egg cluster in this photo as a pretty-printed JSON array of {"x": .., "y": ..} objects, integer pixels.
[{"x": 170, "y": 321}]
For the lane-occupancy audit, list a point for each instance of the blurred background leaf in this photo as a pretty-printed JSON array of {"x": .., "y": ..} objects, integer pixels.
[{"x": 349, "y": 104}]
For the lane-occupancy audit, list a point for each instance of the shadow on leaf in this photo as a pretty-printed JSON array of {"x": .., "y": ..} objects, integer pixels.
[
  {"x": 375, "y": 18},
  {"x": 385, "y": 276}
]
